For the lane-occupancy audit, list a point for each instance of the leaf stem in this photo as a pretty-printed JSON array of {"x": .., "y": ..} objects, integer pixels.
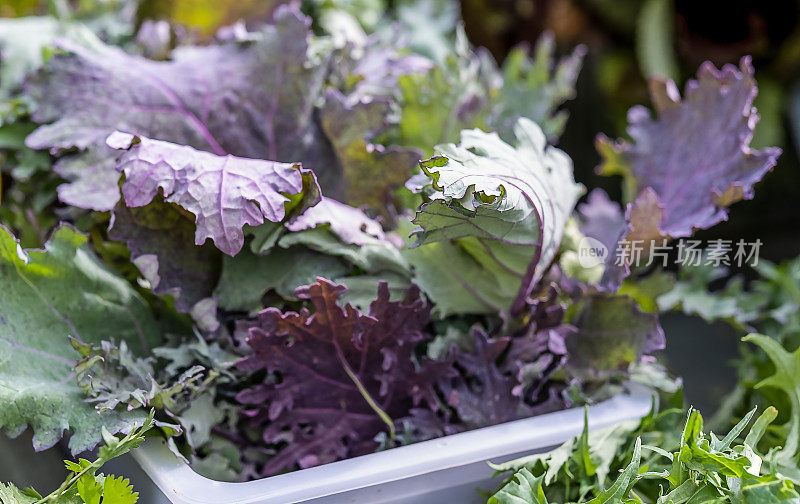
[
  {"x": 365, "y": 393},
  {"x": 68, "y": 483}
]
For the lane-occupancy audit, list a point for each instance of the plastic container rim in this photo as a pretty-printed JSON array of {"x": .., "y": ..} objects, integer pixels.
[{"x": 182, "y": 485}]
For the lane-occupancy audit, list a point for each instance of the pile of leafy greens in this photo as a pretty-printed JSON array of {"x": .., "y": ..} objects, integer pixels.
[{"x": 327, "y": 234}]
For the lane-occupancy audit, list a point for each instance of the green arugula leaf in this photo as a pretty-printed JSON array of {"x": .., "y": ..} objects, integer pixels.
[
  {"x": 524, "y": 488},
  {"x": 787, "y": 379},
  {"x": 10, "y": 494},
  {"x": 717, "y": 445},
  {"x": 623, "y": 484},
  {"x": 697, "y": 468},
  {"x": 758, "y": 429},
  {"x": 698, "y": 455}
]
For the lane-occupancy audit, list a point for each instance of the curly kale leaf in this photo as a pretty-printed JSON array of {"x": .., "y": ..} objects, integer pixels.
[
  {"x": 175, "y": 196},
  {"x": 47, "y": 296},
  {"x": 250, "y": 98},
  {"x": 482, "y": 394},
  {"x": 502, "y": 207},
  {"x": 695, "y": 156},
  {"x": 465, "y": 89},
  {"x": 534, "y": 87},
  {"x": 110, "y": 376},
  {"x": 223, "y": 193},
  {"x": 337, "y": 377}
]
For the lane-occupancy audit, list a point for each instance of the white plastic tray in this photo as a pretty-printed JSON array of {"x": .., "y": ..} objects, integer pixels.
[{"x": 446, "y": 470}]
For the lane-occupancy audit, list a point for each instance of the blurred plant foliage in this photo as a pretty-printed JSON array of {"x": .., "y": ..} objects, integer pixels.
[{"x": 769, "y": 305}]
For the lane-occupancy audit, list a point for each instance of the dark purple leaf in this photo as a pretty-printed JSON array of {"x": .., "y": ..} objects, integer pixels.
[
  {"x": 329, "y": 365},
  {"x": 538, "y": 350},
  {"x": 482, "y": 394}
]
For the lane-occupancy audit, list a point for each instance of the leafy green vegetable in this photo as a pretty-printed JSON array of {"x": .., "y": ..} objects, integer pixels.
[
  {"x": 539, "y": 85},
  {"x": 523, "y": 487},
  {"x": 690, "y": 294},
  {"x": 48, "y": 296},
  {"x": 85, "y": 485},
  {"x": 787, "y": 379},
  {"x": 505, "y": 206},
  {"x": 768, "y": 306},
  {"x": 23, "y": 43},
  {"x": 371, "y": 172},
  {"x": 612, "y": 333},
  {"x": 692, "y": 467},
  {"x": 466, "y": 90}
]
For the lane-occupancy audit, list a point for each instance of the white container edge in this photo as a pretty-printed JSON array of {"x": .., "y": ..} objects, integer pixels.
[{"x": 182, "y": 485}]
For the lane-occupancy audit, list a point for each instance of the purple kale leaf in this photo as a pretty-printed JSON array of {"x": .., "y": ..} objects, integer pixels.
[
  {"x": 337, "y": 378},
  {"x": 533, "y": 359},
  {"x": 222, "y": 192},
  {"x": 350, "y": 225},
  {"x": 159, "y": 236},
  {"x": 249, "y": 98},
  {"x": 538, "y": 350},
  {"x": 611, "y": 332},
  {"x": 695, "y": 156},
  {"x": 482, "y": 394}
]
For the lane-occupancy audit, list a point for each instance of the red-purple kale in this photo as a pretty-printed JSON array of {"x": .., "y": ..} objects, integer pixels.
[{"x": 337, "y": 378}]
